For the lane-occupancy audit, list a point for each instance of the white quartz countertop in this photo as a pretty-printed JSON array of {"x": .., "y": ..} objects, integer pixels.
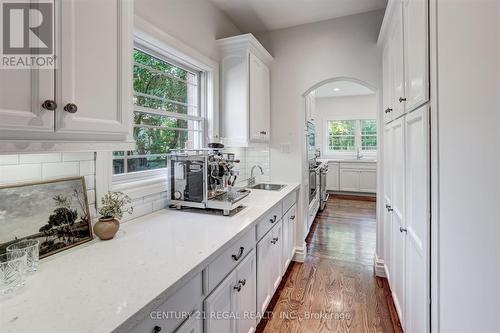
[{"x": 97, "y": 286}]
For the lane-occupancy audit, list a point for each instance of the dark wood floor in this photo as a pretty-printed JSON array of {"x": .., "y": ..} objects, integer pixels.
[{"x": 335, "y": 289}]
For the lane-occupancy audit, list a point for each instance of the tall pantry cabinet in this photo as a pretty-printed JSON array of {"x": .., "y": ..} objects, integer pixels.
[{"x": 406, "y": 159}]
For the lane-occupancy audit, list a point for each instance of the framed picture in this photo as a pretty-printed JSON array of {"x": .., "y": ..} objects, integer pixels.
[{"x": 54, "y": 212}]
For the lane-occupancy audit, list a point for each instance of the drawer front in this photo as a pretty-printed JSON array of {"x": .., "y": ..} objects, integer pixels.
[
  {"x": 176, "y": 310},
  {"x": 227, "y": 261},
  {"x": 359, "y": 166},
  {"x": 269, "y": 220},
  {"x": 289, "y": 201}
]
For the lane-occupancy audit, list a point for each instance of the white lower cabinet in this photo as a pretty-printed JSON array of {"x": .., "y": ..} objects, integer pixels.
[
  {"x": 228, "y": 306},
  {"x": 193, "y": 325},
  {"x": 288, "y": 238},
  {"x": 332, "y": 178},
  {"x": 235, "y": 288},
  {"x": 358, "y": 177}
]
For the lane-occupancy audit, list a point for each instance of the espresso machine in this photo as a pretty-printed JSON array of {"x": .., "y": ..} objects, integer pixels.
[{"x": 205, "y": 178}]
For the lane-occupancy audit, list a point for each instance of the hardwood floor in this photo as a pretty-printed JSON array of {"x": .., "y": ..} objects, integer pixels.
[{"x": 335, "y": 289}]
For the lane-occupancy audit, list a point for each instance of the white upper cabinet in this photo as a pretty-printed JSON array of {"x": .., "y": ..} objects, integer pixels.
[
  {"x": 245, "y": 91},
  {"x": 86, "y": 102},
  {"x": 416, "y": 53},
  {"x": 259, "y": 100},
  {"x": 405, "y": 40},
  {"x": 397, "y": 61},
  {"x": 22, "y": 94},
  {"x": 91, "y": 80}
]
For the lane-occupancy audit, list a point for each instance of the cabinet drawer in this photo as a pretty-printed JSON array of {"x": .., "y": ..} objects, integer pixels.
[
  {"x": 289, "y": 201},
  {"x": 176, "y": 309},
  {"x": 359, "y": 166},
  {"x": 227, "y": 261},
  {"x": 269, "y": 220}
]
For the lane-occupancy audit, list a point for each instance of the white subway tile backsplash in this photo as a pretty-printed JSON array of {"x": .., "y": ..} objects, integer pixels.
[
  {"x": 91, "y": 197},
  {"x": 160, "y": 204},
  {"x": 20, "y": 173},
  {"x": 9, "y": 159},
  {"x": 60, "y": 170},
  {"x": 153, "y": 197},
  {"x": 90, "y": 181},
  {"x": 87, "y": 168},
  {"x": 39, "y": 158},
  {"x": 72, "y": 157}
]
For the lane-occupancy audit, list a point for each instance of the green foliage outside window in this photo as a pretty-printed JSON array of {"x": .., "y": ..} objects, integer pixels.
[
  {"x": 369, "y": 134},
  {"x": 342, "y": 135},
  {"x": 159, "y": 87}
]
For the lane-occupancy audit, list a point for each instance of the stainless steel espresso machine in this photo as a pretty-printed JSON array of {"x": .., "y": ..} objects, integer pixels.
[{"x": 205, "y": 178}]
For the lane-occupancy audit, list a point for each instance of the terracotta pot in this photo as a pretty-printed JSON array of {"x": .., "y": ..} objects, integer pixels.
[{"x": 106, "y": 228}]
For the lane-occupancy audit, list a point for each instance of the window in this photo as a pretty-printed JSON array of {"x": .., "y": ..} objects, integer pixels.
[
  {"x": 347, "y": 136},
  {"x": 368, "y": 134},
  {"x": 342, "y": 135},
  {"x": 167, "y": 113}
]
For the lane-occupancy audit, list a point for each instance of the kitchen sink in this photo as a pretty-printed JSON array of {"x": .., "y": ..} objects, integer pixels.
[{"x": 267, "y": 187}]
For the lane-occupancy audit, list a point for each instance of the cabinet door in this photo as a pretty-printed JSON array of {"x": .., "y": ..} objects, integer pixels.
[
  {"x": 288, "y": 236},
  {"x": 277, "y": 250},
  {"x": 259, "y": 100},
  {"x": 417, "y": 221},
  {"x": 388, "y": 83},
  {"x": 95, "y": 68},
  {"x": 285, "y": 246},
  {"x": 193, "y": 325},
  {"x": 246, "y": 276},
  {"x": 349, "y": 180},
  {"x": 22, "y": 93},
  {"x": 332, "y": 178},
  {"x": 221, "y": 300},
  {"x": 387, "y": 194},
  {"x": 264, "y": 263},
  {"x": 368, "y": 181},
  {"x": 396, "y": 58},
  {"x": 398, "y": 221},
  {"x": 416, "y": 53}
]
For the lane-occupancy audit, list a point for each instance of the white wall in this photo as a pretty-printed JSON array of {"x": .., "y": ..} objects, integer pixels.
[
  {"x": 468, "y": 125},
  {"x": 304, "y": 56},
  {"x": 341, "y": 108},
  {"x": 197, "y": 23}
]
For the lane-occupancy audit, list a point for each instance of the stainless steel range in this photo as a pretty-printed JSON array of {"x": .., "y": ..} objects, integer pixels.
[{"x": 323, "y": 194}]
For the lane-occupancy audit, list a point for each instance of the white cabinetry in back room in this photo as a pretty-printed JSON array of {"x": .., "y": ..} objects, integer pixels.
[
  {"x": 87, "y": 98},
  {"x": 245, "y": 91}
]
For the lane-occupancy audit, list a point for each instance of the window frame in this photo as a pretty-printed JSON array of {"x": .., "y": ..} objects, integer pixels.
[
  {"x": 148, "y": 36},
  {"x": 201, "y": 116},
  {"x": 357, "y": 139}
]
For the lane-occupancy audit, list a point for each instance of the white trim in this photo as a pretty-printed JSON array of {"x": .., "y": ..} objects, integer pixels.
[
  {"x": 141, "y": 188},
  {"x": 379, "y": 267},
  {"x": 300, "y": 253}
]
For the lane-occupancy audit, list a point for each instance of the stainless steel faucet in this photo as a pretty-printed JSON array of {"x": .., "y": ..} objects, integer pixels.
[
  {"x": 358, "y": 154},
  {"x": 251, "y": 180}
]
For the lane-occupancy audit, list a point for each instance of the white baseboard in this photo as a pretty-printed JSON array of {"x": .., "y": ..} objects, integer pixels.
[
  {"x": 379, "y": 267},
  {"x": 300, "y": 253}
]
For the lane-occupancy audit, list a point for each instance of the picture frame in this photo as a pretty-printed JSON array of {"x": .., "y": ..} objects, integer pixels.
[{"x": 55, "y": 212}]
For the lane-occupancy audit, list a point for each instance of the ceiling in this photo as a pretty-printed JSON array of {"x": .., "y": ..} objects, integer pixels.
[
  {"x": 341, "y": 89},
  {"x": 265, "y": 15}
]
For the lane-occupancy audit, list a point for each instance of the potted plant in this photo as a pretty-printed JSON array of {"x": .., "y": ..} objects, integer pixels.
[{"x": 111, "y": 211}]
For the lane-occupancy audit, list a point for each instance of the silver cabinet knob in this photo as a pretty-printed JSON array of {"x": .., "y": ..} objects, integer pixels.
[
  {"x": 274, "y": 240},
  {"x": 401, "y": 229},
  {"x": 402, "y": 99},
  {"x": 388, "y": 110}
]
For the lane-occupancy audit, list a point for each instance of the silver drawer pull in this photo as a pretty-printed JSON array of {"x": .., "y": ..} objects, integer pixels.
[
  {"x": 292, "y": 217},
  {"x": 237, "y": 287},
  {"x": 273, "y": 219},
  {"x": 237, "y": 257},
  {"x": 242, "y": 282},
  {"x": 274, "y": 240}
]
